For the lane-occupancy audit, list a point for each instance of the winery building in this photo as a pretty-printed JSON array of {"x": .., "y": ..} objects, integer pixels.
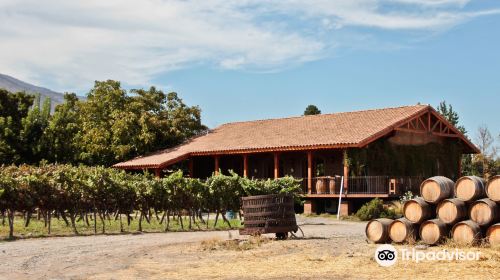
[{"x": 375, "y": 153}]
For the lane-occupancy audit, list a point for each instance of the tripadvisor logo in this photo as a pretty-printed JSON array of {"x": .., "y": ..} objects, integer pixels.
[{"x": 387, "y": 255}]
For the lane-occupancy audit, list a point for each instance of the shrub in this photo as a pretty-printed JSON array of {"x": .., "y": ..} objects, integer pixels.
[{"x": 375, "y": 209}]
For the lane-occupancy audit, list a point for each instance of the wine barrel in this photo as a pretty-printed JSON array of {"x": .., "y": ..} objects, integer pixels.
[
  {"x": 417, "y": 210},
  {"x": 433, "y": 231},
  {"x": 320, "y": 186},
  {"x": 435, "y": 189},
  {"x": 451, "y": 211},
  {"x": 484, "y": 212},
  {"x": 377, "y": 230},
  {"x": 493, "y": 235},
  {"x": 470, "y": 188},
  {"x": 493, "y": 188},
  {"x": 466, "y": 232},
  {"x": 402, "y": 230},
  {"x": 331, "y": 185},
  {"x": 271, "y": 213}
]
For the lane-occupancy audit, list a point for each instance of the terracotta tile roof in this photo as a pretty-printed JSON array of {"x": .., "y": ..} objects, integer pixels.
[{"x": 349, "y": 129}]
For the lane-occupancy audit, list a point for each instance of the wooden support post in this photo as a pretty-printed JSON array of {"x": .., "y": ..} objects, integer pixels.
[
  {"x": 158, "y": 172},
  {"x": 346, "y": 174},
  {"x": 309, "y": 171},
  {"x": 276, "y": 165},
  {"x": 309, "y": 207},
  {"x": 191, "y": 167},
  {"x": 345, "y": 208},
  {"x": 245, "y": 165},
  {"x": 459, "y": 174},
  {"x": 216, "y": 158}
]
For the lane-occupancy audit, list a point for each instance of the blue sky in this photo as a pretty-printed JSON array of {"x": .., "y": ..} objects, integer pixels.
[{"x": 245, "y": 60}]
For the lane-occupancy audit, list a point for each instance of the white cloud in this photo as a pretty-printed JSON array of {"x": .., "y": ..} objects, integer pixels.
[
  {"x": 459, "y": 3},
  {"x": 68, "y": 44}
]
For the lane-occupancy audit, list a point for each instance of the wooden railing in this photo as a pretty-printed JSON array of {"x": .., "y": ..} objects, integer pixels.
[
  {"x": 368, "y": 185},
  {"x": 364, "y": 185}
]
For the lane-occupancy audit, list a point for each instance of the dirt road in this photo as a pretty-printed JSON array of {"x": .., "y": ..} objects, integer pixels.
[
  {"x": 103, "y": 256},
  {"x": 330, "y": 250}
]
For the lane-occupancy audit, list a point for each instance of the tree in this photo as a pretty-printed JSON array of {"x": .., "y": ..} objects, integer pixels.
[
  {"x": 485, "y": 161},
  {"x": 98, "y": 114},
  {"x": 63, "y": 131},
  {"x": 117, "y": 126},
  {"x": 32, "y": 137},
  {"x": 446, "y": 110},
  {"x": 312, "y": 110},
  {"x": 14, "y": 107},
  {"x": 110, "y": 125}
]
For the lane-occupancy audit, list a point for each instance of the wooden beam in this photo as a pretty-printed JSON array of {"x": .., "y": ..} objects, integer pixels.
[
  {"x": 245, "y": 165},
  {"x": 429, "y": 122},
  {"x": 445, "y": 134},
  {"x": 422, "y": 123},
  {"x": 158, "y": 173},
  {"x": 410, "y": 130},
  {"x": 435, "y": 126},
  {"x": 309, "y": 171},
  {"x": 425, "y": 132},
  {"x": 216, "y": 158},
  {"x": 411, "y": 125},
  {"x": 456, "y": 131},
  {"x": 276, "y": 165}
]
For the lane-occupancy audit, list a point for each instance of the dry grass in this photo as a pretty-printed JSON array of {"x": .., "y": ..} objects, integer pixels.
[
  {"x": 396, "y": 206},
  {"x": 450, "y": 243},
  {"x": 304, "y": 259},
  {"x": 339, "y": 256},
  {"x": 234, "y": 244}
]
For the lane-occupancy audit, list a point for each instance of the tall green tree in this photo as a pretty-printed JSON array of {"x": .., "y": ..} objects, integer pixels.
[
  {"x": 102, "y": 109},
  {"x": 312, "y": 110},
  {"x": 32, "y": 137},
  {"x": 117, "y": 126},
  {"x": 154, "y": 120},
  {"x": 14, "y": 107},
  {"x": 62, "y": 133},
  {"x": 110, "y": 125},
  {"x": 447, "y": 111}
]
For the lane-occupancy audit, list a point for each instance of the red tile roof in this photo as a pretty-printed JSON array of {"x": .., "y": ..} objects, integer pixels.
[{"x": 338, "y": 130}]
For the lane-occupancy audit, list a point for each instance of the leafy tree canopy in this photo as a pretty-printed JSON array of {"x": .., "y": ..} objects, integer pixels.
[
  {"x": 446, "y": 110},
  {"x": 312, "y": 110},
  {"x": 110, "y": 125},
  {"x": 13, "y": 109}
]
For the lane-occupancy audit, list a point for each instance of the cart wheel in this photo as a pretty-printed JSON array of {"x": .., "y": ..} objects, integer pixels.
[{"x": 281, "y": 235}]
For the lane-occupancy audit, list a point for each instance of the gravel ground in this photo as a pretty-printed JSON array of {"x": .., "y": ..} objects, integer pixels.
[{"x": 106, "y": 256}]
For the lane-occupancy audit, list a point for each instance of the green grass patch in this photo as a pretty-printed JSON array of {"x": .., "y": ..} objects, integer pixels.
[
  {"x": 37, "y": 228},
  {"x": 351, "y": 218}
]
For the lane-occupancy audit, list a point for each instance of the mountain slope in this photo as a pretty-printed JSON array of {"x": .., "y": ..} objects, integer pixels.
[{"x": 14, "y": 85}]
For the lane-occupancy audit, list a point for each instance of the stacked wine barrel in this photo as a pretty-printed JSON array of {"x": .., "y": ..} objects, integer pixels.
[{"x": 467, "y": 211}]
